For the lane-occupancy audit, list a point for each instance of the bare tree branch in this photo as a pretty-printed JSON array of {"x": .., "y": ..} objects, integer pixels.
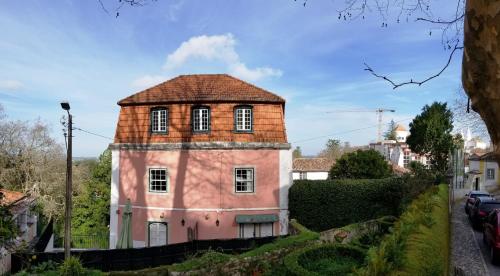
[
  {"x": 411, "y": 81},
  {"x": 464, "y": 118},
  {"x": 461, "y": 17},
  {"x": 103, "y": 7}
]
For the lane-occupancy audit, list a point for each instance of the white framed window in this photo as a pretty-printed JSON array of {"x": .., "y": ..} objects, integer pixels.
[
  {"x": 256, "y": 230},
  {"x": 244, "y": 180},
  {"x": 158, "y": 180},
  {"x": 490, "y": 173},
  {"x": 201, "y": 119},
  {"x": 428, "y": 161},
  {"x": 406, "y": 158},
  {"x": 243, "y": 118},
  {"x": 303, "y": 175},
  {"x": 159, "y": 119},
  {"x": 157, "y": 233}
]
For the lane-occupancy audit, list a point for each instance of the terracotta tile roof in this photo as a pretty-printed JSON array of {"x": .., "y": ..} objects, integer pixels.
[
  {"x": 10, "y": 197},
  {"x": 400, "y": 128},
  {"x": 202, "y": 88},
  {"x": 489, "y": 156},
  {"x": 478, "y": 152},
  {"x": 398, "y": 170},
  {"x": 312, "y": 164}
]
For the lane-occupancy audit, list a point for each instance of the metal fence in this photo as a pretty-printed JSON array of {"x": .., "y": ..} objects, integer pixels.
[
  {"x": 92, "y": 241},
  {"x": 139, "y": 258}
]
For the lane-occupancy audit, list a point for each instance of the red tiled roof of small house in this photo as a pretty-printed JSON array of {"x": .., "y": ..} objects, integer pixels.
[
  {"x": 10, "y": 197},
  {"x": 312, "y": 164}
]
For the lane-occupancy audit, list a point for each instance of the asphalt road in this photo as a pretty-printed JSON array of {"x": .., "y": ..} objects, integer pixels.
[{"x": 493, "y": 270}]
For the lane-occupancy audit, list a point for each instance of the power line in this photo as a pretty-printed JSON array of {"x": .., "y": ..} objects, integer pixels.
[
  {"x": 347, "y": 131},
  {"x": 92, "y": 133}
]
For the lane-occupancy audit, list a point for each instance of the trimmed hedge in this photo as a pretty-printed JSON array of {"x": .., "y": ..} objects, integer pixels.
[
  {"x": 326, "y": 204},
  {"x": 419, "y": 242},
  {"x": 297, "y": 261}
]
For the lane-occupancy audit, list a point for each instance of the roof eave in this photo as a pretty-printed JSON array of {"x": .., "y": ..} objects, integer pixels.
[{"x": 121, "y": 103}]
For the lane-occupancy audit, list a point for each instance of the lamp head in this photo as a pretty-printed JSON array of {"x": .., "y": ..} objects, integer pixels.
[{"x": 65, "y": 106}]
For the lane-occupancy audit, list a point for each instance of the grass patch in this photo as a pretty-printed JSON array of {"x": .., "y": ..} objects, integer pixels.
[
  {"x": 334, "y": 265},
  {"x": 208, "y": 259},
  {"x": 332, "y": 259}
]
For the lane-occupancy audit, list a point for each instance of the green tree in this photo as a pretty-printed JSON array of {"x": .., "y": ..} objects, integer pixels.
[
  {"x": 362, "y": 164},
  {"x": 8, "y": 228},
  {"x": 91, "y": 207},
  {"x": 390, "y": 134},
  {"x": 297, "y": 153},
  {"x": 458, "y": 141},
  {"x": 333, "y": 150},
  {"x": 430, "y": 133}
]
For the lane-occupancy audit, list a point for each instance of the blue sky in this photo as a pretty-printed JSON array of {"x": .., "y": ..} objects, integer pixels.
[{"x": 73, "y": 50}]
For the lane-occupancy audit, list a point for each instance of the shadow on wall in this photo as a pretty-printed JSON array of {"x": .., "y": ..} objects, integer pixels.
[{"x": 196, "y": 176}]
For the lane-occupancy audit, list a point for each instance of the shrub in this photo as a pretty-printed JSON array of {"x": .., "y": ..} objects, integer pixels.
[
  {"x": 365, "y": 164},
  {"x": 208, "y": 259},
  {"x": 71, "y": 267},
  {"x": 322, "y": 205},
  {"x": 419, "y": 243},
  {"x": 324, "y": 260}
]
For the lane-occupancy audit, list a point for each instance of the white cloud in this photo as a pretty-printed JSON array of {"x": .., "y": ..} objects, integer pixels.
[
  {"x": 148, "y": 81},
  {"x": 173, "y": 11},
  {"x": 11, "y": 84},
  {"x": 217, "y": 48},
  {"x": 242, "y": 71}
]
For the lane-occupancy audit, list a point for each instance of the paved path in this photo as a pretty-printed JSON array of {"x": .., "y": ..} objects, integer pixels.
[{"x": 465, "y": 251}]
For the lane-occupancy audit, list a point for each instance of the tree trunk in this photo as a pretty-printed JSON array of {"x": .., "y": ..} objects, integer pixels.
[{"x": 481, "y": 63}]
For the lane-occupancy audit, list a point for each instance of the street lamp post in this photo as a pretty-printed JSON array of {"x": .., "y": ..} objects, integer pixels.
[{"x": 69, "y": 180}]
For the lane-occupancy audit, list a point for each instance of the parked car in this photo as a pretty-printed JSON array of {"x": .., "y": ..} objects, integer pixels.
[
  {"x": 480, "y": 210},
  {"x": 471, "y": 197},
  {"x": 491, "y": 235}
]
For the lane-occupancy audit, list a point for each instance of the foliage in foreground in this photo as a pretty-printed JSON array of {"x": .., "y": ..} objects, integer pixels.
[
  {"x": 211, "y": 259},
  {"x": 322, "y": 205},
  {"x": 70, "y": 267},
  {"x": 331, "y": 259},
  {"x": 361, "y": 164},
  {"x": 419, "y": 243}
]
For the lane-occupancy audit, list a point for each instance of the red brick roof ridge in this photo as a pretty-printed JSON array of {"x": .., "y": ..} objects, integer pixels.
[{"x": 135, "y": 98}]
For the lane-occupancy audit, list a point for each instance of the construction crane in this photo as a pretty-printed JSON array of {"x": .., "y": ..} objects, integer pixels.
[{"x": 378, "y": 111}]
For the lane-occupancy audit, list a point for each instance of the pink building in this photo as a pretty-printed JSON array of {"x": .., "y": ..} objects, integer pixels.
[{"x": 201, "y": 157}]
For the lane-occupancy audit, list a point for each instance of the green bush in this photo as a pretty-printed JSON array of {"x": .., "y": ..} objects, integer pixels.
[
  {"x": 361, "y": 164},
  {"x": 419, "y": 242},
  {"x": 324, "y": 260},
  {"x": 71, "y": 267},
  {"x": 322, "y": 205},
  {"x": 208, "y": 259}
]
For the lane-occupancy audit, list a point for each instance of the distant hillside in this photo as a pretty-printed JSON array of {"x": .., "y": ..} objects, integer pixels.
[{"x": 85, "y": 158}]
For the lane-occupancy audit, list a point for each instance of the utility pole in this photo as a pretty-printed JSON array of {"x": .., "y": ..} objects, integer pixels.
[{"x": 69, "y": 184}]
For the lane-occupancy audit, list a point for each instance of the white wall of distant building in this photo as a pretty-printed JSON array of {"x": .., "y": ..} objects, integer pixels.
[{"x": 311, "y": 175}]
